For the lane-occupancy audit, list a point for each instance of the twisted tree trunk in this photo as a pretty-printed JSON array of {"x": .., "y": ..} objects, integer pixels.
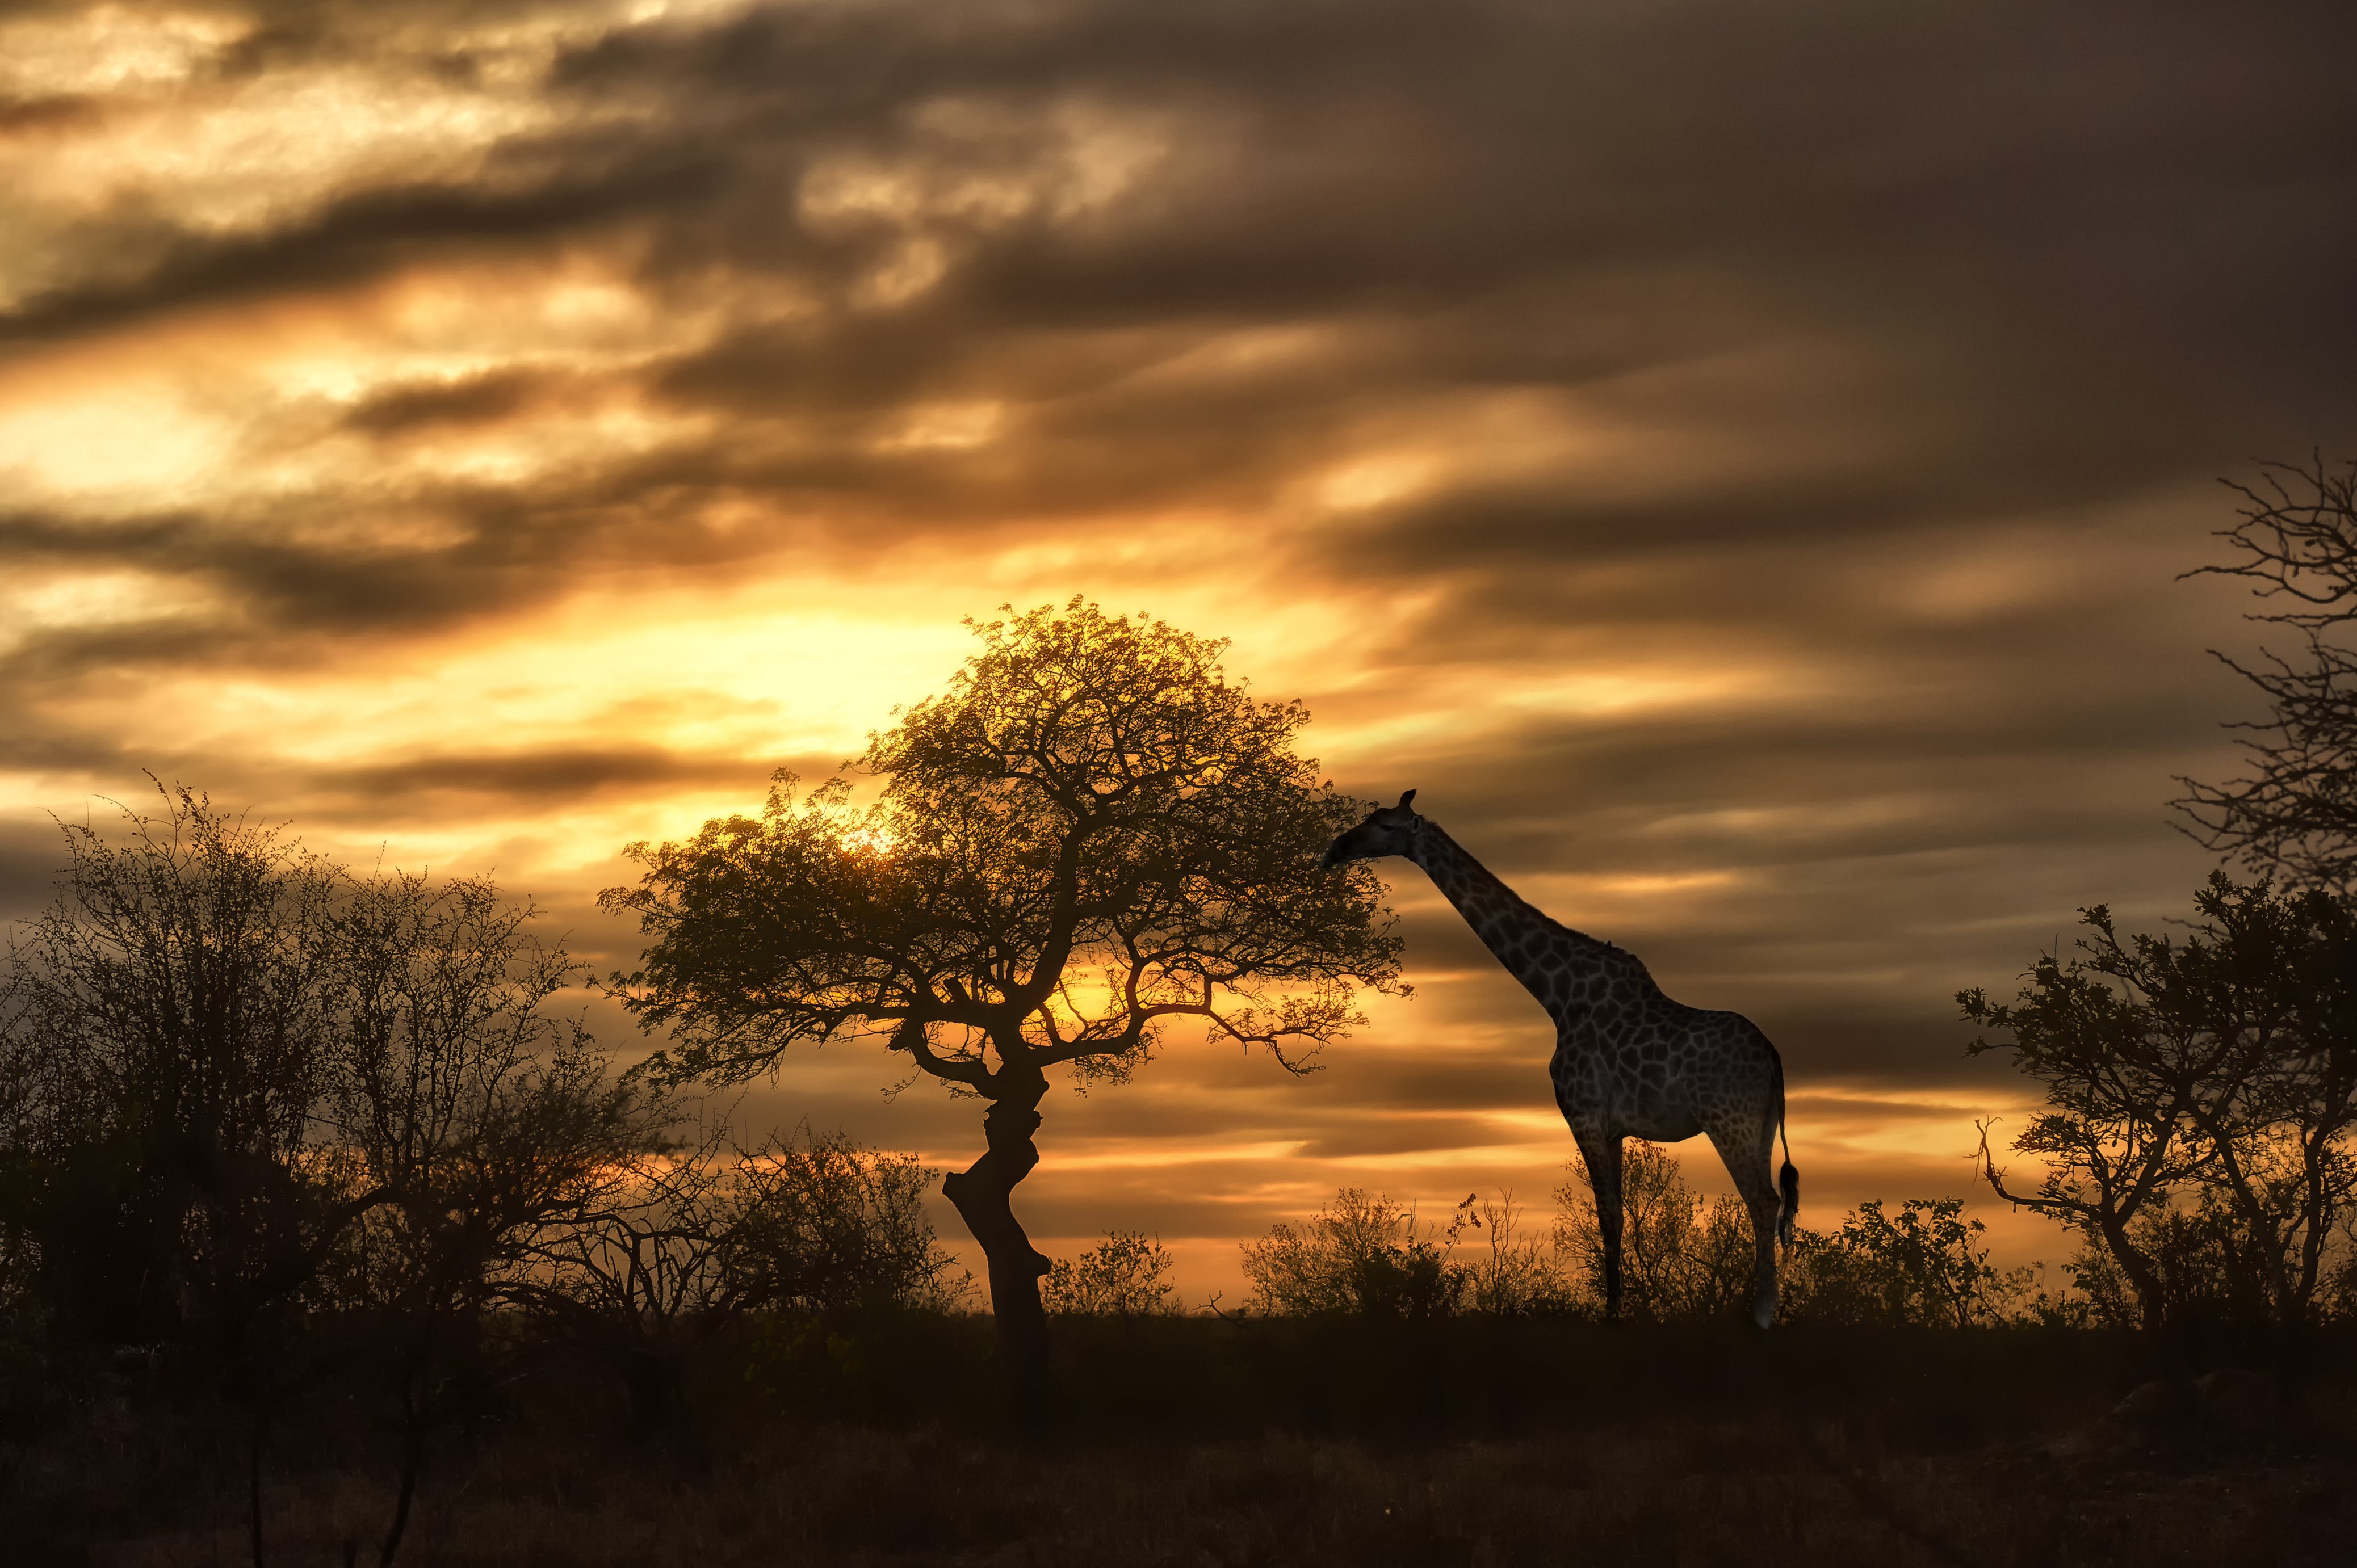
[{"x": 982, "y": 1193}]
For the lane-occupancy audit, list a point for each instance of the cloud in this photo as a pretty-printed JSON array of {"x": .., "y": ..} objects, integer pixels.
[
  {"x": 1518, "y": 215},
  {"x": 31, "y": 856},
  {"x": 435, "y": 787}
]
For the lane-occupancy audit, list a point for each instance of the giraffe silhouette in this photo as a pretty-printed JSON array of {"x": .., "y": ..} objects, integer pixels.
[{"x": 1629, "y": 1062}]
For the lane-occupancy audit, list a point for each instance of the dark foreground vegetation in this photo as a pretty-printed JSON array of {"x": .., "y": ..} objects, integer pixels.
[
  {"x": 1193, "y": 1441},
  {"x": 327, "y": 1236}
]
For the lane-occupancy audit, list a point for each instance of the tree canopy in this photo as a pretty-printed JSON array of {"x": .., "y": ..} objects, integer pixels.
[
  {"x": 1090, "y": 836},
  {"x": 2221, "y": 1063}
]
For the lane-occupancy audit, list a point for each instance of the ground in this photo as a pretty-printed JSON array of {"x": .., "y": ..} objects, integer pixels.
[{"x": 1351, "y": 1444}]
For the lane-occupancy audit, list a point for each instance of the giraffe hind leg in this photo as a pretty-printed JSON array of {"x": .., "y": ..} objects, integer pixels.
[{"x": 1747, "y": 1150}]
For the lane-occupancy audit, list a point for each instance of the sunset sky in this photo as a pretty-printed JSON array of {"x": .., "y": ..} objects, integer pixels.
[{"x": 1735, "y": 459}]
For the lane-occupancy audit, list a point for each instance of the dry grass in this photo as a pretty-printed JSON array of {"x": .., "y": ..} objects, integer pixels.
[{"x": 1992, "y": 1450}]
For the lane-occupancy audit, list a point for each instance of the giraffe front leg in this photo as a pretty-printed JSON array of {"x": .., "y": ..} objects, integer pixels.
[{"x": 1602, "y": 1151}]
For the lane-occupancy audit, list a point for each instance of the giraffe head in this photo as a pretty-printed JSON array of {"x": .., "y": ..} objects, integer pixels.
[{"x": 1388, "y": 830}]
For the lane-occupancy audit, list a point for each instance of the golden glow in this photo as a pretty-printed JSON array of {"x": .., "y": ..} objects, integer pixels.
[
  {"x": 98, "y": 445},
  {"x": 1371, "y": 481},
  {"x": 106, "y": 49},
  {"x": 236, "y": 154},
  {"x": 91, "y": 600}
]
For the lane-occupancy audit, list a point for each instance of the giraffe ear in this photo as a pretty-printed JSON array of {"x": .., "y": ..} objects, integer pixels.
[{"x": 1403, "y": 800}]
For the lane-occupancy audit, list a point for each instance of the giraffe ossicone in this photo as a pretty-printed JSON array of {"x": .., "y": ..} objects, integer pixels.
[{"x": 1629, "y": 1062}]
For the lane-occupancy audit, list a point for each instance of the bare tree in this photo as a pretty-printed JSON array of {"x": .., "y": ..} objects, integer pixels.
[
  {"x": 238, "y": 1083},
  {"x": 1517, "y": 1277},
  {"x": 168, "y": 1017},
  {"x": 493, "y": 1121},
  {"x": 2295, "y": 814},
  {"x": 649, "y": 1277},
  {"x": 169, "y": 1024}
]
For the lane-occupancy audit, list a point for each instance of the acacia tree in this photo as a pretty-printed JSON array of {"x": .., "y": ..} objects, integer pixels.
[
  {"x": 2296, "y": 812},
  {"x": 1090, "y": 836}
]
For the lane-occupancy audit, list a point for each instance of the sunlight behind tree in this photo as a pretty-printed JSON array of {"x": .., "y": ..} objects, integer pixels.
[{"x": 1092, "y": 836}]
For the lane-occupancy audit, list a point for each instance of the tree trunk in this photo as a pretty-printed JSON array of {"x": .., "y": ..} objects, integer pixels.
[
  {"x": 2141, "y": 1276},
  {"x": 981, "y": 1193},
  {"x": 413, "y": 1460},
  {"x": 652, "y": 1380},
  {"x": 255, "y": 1440}
]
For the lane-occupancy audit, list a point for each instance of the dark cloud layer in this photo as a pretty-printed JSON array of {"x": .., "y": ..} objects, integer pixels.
[{"x": 2074, "y": 257}]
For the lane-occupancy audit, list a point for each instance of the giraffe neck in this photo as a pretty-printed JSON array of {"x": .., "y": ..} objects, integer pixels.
[{"x": 1535, "y": 950}]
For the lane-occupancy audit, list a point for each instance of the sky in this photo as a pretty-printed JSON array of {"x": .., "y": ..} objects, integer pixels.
[{"x": 1736, "y": 461}]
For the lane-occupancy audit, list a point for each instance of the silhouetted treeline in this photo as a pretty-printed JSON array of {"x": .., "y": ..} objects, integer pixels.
[
  {"x": 308, "y": 1167},
  {"x": 1687, "y": 1259},
  {"x": 270, "y": 1127}
]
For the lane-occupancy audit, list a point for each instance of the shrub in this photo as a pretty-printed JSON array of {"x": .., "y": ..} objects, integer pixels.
[
  {"x": 1925, "y": 1267},
  {"x": 1127, "y": 1274},
  {"x": 1683, "y": 1257},
  {"x": 1360, "y": 1255},
  {"x": 1519, "y": 1278}
]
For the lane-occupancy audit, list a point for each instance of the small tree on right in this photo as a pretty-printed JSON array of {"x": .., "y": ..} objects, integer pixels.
[
  {"x": 2220, "y": 1067},
  {"x": 2201, "y": 1093},
  {"x": 1926, "y": 1266},
  {"x": 1360, "y": 1255}
]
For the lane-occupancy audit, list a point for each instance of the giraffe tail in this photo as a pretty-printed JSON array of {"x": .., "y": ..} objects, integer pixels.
[{"x": 1788, "y": 1182}]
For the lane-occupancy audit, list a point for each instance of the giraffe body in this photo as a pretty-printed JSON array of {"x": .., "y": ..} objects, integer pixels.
[{"x": 1629, "y": 1061}]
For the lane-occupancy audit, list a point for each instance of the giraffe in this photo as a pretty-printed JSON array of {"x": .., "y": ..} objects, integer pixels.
[{"x": 1629, "y": 1062}]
